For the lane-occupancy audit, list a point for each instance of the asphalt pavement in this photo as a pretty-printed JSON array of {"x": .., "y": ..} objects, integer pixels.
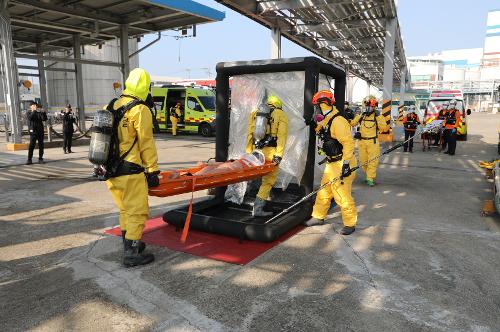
[{"x": 422, "y": 258}]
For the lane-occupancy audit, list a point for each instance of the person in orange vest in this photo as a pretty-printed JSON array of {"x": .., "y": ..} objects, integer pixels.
[
  {"x": 410, "y": 123},
  {"x": 450, "y": 127}
]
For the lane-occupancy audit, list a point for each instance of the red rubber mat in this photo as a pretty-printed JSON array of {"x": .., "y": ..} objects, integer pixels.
[{"x": 208, "y": 245}]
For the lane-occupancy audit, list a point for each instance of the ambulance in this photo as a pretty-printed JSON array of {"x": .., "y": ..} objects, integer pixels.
[
  {"x": 197, "y": 108},
  {"x": 436, "y": 100}
]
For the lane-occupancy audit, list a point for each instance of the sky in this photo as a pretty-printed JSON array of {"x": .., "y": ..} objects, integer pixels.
[{"x": 427, "y": 26}]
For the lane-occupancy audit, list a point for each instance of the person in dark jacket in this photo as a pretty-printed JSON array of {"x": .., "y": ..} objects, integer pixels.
[
  {"x": 36, "y": 116},
  {"x": 68, "y": 129}
]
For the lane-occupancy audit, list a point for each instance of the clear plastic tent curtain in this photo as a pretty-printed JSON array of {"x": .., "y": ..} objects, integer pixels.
[{"x": 247, "y": 94}]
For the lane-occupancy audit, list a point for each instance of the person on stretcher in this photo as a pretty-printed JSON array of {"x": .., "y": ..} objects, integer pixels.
[{"x": 248, "y": 160}]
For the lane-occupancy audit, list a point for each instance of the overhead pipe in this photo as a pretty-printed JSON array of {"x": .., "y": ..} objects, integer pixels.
[{"x": 146, "y": 46}]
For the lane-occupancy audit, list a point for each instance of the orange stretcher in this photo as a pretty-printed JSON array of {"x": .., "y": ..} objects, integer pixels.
[{"x": 206, "y": 176}]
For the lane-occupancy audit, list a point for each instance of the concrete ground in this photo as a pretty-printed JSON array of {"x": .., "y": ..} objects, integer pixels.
[{"x": 422, "y": 258}]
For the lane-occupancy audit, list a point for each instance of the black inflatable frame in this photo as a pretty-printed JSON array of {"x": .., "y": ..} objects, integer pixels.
[{"x": 217, "y": 216}]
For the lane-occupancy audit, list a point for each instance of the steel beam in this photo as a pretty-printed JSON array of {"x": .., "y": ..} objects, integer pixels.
[
  {"x": 57, "y": 26},
  {"x": 78, "y": 11},
  {"x": 390, "y": 39},
  {"x": 327, "y": 26},
  {"x": 402, "y": 90},
  {"x": 125, "y": 64},
  {"x": 275, "y": 43},
  {"x": 59, "y": 59},
  {"x": 80, "y": 100},
  {"x": 294, "y": 4},
  {"x": 46, "y": 68},
  {"x": 41, "y": 78},
  {"x": 8, "y": 66}
]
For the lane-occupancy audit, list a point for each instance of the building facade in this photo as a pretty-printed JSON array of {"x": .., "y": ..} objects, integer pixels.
[{"x": 475, "y": 71}]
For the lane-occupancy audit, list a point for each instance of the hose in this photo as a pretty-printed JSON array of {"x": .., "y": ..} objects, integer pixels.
[
  {"x": 83, "y": 134},
  {"x": 420, "y": 131}
]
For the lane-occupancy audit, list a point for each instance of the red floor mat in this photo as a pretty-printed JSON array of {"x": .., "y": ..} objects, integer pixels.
[{"x": 208, "y": 245}]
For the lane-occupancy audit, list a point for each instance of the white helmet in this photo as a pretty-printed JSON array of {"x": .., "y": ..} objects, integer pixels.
[
  {"x": 412, "y": 108},
  {"x": 445, "y": 106},
  {"x": 453, "y": 102}
]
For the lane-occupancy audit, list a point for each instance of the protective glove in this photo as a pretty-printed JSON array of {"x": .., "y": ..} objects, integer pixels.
[
  {"x": 346, "y": 169},
  {"x": 153, "y": 179},
  {"x": 454, "y": 131},
  {"x": 309, "y": 122},
  {"x": 377, "y": 113},
  {"x": 277, "y": 160},
  {"x": 357, "y": 135}
]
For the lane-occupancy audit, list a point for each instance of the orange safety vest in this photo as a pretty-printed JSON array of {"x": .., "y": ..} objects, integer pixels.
[
  {"x": 452, "y": 119},
  {"x": 411, "y": 121}
]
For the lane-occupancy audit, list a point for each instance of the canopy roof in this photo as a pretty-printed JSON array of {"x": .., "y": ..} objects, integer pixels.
[
  {"x": 53, "y": 23},
  {"x": 348, "y": 32}
]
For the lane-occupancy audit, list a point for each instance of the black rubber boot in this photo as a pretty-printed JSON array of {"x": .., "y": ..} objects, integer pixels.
[
  {"x": 258, "y": 208},
  {"x": 314, "y": 222},
  {"x": 142, "y": 245},
  {"x": 29, "y": 162},
  {"x": 65, "y": 152},
  {"x": 346, "y": 230},
  {"x": 132, "y": 256}
]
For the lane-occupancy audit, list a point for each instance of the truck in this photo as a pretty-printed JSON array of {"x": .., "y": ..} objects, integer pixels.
[
  {"x": 435, "y": 104},
  {"x": 197, "y": 108}
]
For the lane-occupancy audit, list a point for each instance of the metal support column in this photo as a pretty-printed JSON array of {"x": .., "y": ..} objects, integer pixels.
[
  {"x": 390, "y": 39},
  {"x": 9, "y": 69},
  {"x": 349, "y": 85},
  {"x": 41, "y": 78},
  {"x": 368, "y": 88},
  {"x": 124, "y": 52},
  {"x": 402, "y": 90},
  {"x": 80, "y": 100},
  {"x": 275, "y": 43}
]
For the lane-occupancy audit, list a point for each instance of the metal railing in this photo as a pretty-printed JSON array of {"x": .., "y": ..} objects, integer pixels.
[{"x": 467, "y": 87}]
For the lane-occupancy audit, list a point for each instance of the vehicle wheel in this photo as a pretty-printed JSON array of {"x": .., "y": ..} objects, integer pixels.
[{"x": 205, "y": 130}]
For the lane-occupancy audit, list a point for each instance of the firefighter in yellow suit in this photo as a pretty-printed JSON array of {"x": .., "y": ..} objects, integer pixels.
[
  {"x": 139, "y": 169},
  {"x": 371, "y": 123},
  {"x": 338, "y": 145},
  {"x": 175, "y": 115},
  {"x": 272, "y": 145}
]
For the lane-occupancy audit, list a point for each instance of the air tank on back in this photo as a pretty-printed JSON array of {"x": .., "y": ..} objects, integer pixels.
[
  {"x": 100, "y": 139},
  {"x": 261, "y": 121}
]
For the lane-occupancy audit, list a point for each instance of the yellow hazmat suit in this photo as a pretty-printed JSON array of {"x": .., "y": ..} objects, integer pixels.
[
  {"x": 130, "y": 192},
  {"x": 277, "y": 127},
  {"x": 175, "y": 119},
  {"x": 339, "y": 190},
  {"x": 369, "y": 145}
]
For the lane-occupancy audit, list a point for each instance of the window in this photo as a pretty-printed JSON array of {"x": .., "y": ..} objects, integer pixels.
[
  {"x": 193, "y": 104},
  {"x": 159, "y": 102},
  {"x": 208, "y": 102},
  {"x": 434, "y": 106}
]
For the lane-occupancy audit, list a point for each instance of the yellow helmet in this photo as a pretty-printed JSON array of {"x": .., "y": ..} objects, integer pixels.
[{"x": 274, "y": 102}]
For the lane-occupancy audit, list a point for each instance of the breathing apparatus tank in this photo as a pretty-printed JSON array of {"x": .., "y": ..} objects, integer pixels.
[
  {"x": 100, "y": 139},
  {"x": 261, "y": 121}
]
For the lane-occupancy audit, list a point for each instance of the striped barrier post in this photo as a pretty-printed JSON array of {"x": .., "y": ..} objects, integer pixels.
[
  {"x": 400, "y": 115},
  {"x": 386, "y": 112}
]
